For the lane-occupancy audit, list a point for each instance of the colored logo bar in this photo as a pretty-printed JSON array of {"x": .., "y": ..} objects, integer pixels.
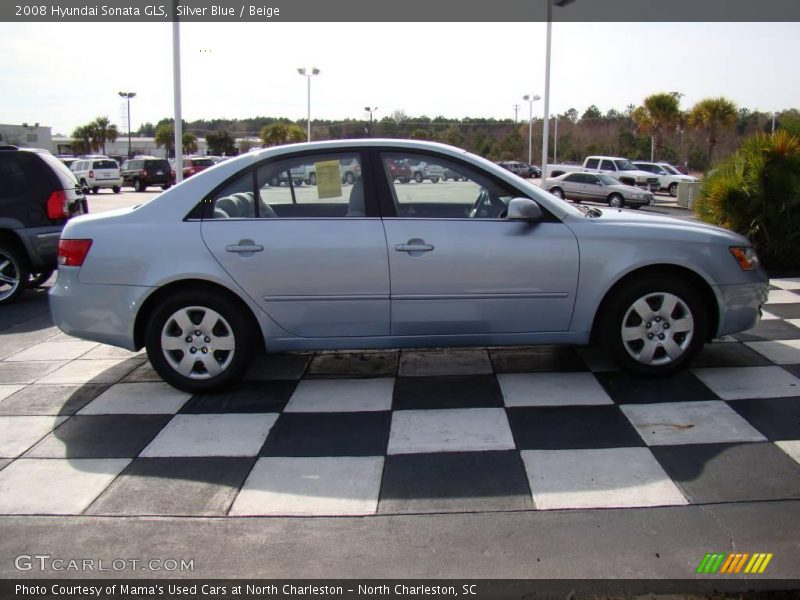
[{"x": 731, "y": 564}]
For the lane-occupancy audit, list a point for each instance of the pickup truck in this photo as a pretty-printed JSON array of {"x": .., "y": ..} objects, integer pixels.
[{"x": 620, "y": 168}]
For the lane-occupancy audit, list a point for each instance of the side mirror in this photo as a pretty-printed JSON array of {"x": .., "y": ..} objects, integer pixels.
[{"x": 524, "y": 209}]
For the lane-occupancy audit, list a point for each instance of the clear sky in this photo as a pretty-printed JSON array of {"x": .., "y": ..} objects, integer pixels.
[{"x": 64, "y": 75}]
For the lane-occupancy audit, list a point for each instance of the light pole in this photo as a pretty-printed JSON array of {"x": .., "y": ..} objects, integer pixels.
[
  {"x": 545, "y": 131},
  {"x": 555, "y": 138},
  {"x": 308, "y": 76},
  {"x": 128, "y": 96},
  {"x": 530, "y": 99},
  {"x": 370, "y": 110}
]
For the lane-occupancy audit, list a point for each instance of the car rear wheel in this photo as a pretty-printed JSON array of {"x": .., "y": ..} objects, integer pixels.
[
  {"x": 13, "y": 274},
  {"x": 655, "y": 325},
  {"x": 95, "y": 189},
  {"x": 673, "y": 189},
  {"x": 616, "y": 201},
  {"x": 139, "y": 185},
  {"x": 558, "y": 193},
  {"x": 198, "y": 341},
  {"x": 418, "y": 177},
  {"x": 116, "y": 189}
]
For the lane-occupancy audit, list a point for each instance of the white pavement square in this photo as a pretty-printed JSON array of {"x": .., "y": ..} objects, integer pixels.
[
  {"x": 8, "y": 390},
  {"x": 137, "y": 399},
  {"x": 551, "y": 389},
  {"x": 782, "y": 297},
  {"x": 46, "y": 486},
  {"x": 342, "y": 395},
  {"x": 789, "y": 283},
  {"x": 420, "y": 363},
  {"x": 67, "y": 350},
  {"x": 598, "y": 478},
  {"x": 790, "y": 447},
  {"x": 449, "y": 430},
  {"x": 712, "y": 422},
  {"x": 314, "y": 486},
  {"x": 17, "y": 434},
  {"x": 212, "y": 435},
  {"x": 750, "y": 382},
  {"x": 781, "y": 352}
]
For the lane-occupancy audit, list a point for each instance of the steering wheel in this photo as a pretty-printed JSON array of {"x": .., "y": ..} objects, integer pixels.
[{"x": 483, "y": 198}]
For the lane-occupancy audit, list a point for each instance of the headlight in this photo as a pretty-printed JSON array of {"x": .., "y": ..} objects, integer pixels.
[{"x": 746, "y": 257}]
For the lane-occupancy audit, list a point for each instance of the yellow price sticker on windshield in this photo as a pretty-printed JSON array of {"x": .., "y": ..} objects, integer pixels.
[{"x": 329, "y": 179}]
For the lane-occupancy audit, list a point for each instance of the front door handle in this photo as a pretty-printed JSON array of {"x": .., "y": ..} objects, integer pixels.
[
  {"x": 245, "y": 247},
  {"x": 414, "y": 247}
]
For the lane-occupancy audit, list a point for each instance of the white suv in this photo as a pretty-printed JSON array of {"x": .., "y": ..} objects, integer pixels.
[
  {"x": 95, "y": 173},
  {"x": 668, "y": 176}
]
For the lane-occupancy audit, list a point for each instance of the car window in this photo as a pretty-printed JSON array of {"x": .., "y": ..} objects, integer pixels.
[
  {"x": 157, "y": 165},
  {"x": 312, "y": 186},
  {"x": 12, "y": 175},
  {"x": 235, "y": 199},
  {"x": 607, "y": 165},
  {"x": 592, "y": 163},
  {"x": 202, "y": 162},
  {"x": 105, "y": 164},
  {"x": 475, "y": 195},
  {"x": 591, "y": 179},
  {"x": 573, "y": 178}
]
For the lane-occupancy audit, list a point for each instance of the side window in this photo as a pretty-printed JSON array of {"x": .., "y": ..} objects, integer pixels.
[
  {"x": 312, "y": 186},
  {"x": 590, "y": 179},
  {"x": 592, "y": 163},
  {"x": 12, "y": 175},
  {"x": 419, "y": 192},
  {"x": 574, "y": 178},
  {"x": 607, "y": 165},
  {"x": 235, "y": 200}
]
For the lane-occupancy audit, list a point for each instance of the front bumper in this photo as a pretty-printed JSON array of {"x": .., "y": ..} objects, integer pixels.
[
  {"x": 97, "y": 312},
  {"x": 740, "y": 306}
]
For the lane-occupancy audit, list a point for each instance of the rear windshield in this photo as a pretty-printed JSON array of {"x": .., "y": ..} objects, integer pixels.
[
  {"x": 106, "y": 164},
  {"x": 66, "y": 176},
  {"x": 156, "y": 164},
  {"x": 202, "y": 162}
]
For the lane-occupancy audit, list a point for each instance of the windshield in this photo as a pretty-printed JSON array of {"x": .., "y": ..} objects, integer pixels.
[
  {"x": 671, "y": 170},
  {"x": 608, "y": 180},
  {"x": 624, "y": 165}
]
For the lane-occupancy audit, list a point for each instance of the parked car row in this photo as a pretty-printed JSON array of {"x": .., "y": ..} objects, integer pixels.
[{"x": 525, "y": 170}]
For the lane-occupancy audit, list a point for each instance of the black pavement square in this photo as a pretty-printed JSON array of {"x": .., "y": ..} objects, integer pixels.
[
  {"x": 793, "y": 369},
  {"x": 731, "y": 472},
  {"x": 174, "y": 486},
  {"x": 571, "y": 427},
  {"x": 100, "y": 436},
  {"x": 43, "y": 399},
  {"x": 454, "y": 482},
  {"x": 784, "y": 311},
  {"x": 775, "y": 418},
  {"x": 244, "y": 397},
  {"x": 536, "y": 359},
  {"x": 729, "y": 354},
  {"x": 329, "y": 434},
  {"x": 627, "y": 388},
  {"x": 451, "y": 391},
  {"x": 771, "y": 329}
]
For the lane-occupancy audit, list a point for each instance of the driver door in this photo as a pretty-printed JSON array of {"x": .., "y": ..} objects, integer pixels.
[{"x": 457, "y": 266}]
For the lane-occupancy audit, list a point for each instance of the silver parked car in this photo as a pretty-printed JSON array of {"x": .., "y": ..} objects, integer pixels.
[
  {"x": 226, "y": 264},
  {"x": 597, "y": 187}
]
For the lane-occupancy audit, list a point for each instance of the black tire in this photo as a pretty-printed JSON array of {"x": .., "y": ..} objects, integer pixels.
[
  {"x": 418, "y": 177},
  {"x": 618, "y": 307},
  {"x": 84, "y": 186},
  {"x": 15, "y": 274},
  {"x": 404, "y": 180},
  {"x": 139, "y": 185},
  {"x": 312, "y": 179},
  {"x": 116, "y": 189},
  {"x": 558, "y": 193},
  {"x": 673, "y": 189},
  {"x": 95, "y": 189},
  {"x": 166, "y": 187},
  {"x": 434, "y": 180},
  {"x": 444, "y": 177},
  {"x": 36, "y": 280},
  {"x": 237, "y": 326},
  {"x": 616, "y": 201}
]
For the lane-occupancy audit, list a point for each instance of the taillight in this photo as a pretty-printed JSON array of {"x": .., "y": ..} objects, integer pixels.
[
  {"x": 143, "y": 173},
  {"x": 91, "y": 174},
  {"x": 72, "y": 253},
  {"x": 57, "y": 206}
]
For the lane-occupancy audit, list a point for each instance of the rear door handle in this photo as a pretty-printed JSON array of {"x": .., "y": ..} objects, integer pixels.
[
  {"x": 245, "y": 247},
  {"x": 414, "y": 246}
]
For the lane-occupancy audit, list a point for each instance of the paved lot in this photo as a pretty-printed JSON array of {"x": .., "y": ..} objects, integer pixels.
[{"x": 470, "y": 440}]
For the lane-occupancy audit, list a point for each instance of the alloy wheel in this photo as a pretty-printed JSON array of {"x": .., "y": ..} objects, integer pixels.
[
  {"x": 198, "y": 342},
  {"x": 657, "y": 329}
]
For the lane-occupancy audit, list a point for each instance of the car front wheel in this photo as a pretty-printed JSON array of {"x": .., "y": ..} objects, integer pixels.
[
  {"x": 673, "y": 189},
  {"x": 139, "y": 185},
  {"x": 654, "y": 326},
  {"x": 199, "y": 342},
  {"x": 616, "y": 201}
]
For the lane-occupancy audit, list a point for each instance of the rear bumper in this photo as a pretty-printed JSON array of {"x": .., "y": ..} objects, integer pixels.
[
  {"x": 41, "y": 245},
  {"x": 740, "y": 305},
  {"x": 101, "y": 313},
  {"x": 105, "y": 183}
]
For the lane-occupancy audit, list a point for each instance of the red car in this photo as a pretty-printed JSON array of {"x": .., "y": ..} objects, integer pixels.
[
  {"x": 398, "y": 169},
  {"x": 195, "y": 164}
]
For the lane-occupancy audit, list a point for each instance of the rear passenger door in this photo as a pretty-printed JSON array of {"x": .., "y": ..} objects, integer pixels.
[{"x": 312, "y": 256}]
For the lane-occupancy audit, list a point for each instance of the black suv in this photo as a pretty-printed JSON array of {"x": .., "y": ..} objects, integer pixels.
[
  {"x": 38, "y": 195},
  {"x": 146, "y": 171}
]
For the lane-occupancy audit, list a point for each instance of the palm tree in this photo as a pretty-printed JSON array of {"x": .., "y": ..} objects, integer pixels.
[
  {"x": 713, "y": 115},
  {"x": 165, "y": 136},
  {"x": 103, "y": 131},
  {"x": 659, "y": 113},
  {"x": 84, "y": 141},
  {"x": 189, "y": 143},
  {"x": 280, "y": 133}
]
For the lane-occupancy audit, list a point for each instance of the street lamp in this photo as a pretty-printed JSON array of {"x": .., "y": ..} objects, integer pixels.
[
  {"x": 308, "y": 76},
  {"x": 545, "y": 129},
  {"x": 128, "y": 96},
  {"x": 530, "y": 99},
  {"x": 370, "y": 110}
]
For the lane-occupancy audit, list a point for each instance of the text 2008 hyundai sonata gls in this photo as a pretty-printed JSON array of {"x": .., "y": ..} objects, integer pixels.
[{"x": 244, "y": 257}]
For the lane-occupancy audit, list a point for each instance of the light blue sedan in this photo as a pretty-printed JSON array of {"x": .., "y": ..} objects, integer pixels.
[{"x": 239, "y": 259}]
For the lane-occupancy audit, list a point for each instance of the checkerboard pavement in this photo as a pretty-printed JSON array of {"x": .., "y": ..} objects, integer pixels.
[{"x": 90, "y": 429}]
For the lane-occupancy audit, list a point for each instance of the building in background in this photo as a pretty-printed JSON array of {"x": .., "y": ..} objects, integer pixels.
[{"x": 27, "y": 136}]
